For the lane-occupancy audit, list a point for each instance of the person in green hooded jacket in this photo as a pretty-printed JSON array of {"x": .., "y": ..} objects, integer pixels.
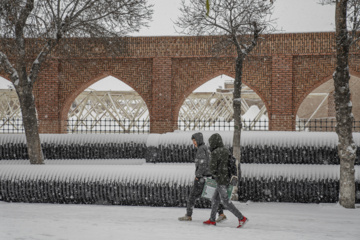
[{"x": 219, "y": 170}]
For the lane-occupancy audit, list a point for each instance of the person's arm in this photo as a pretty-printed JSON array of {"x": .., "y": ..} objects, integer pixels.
[
  {"x": 213, "y": 165},
  {"x": 202, "y": 164}
]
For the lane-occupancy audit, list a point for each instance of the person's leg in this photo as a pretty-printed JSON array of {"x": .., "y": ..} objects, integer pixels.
[
  {"x": 215, "y": 202},
  {"x": 227, "y": 203},
  {"x": 194, "y": 194},
  {"x": 222, "y": 217},
  {"x": 221, "y": 209}
]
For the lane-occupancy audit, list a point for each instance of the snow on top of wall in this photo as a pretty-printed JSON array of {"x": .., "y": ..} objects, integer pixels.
[{"x": 162, "y": 173}]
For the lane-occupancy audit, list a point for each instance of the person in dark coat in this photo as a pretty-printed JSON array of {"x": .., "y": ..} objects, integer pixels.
[
  {"x": 219, "y": 170},
  {"x": 202, "y": 170}
]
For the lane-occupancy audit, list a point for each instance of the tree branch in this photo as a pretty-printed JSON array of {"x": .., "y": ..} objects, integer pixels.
[{"x": 8, "y": 67}]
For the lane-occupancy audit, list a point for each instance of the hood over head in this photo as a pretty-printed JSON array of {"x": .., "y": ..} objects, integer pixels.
[
  {"x": 215, "y": 141},
  {"x": 198, "y": 138}
]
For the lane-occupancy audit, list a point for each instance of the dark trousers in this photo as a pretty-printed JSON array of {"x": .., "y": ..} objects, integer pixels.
[
  {"x": 195, "y": 194},
  {"x": 221, "y": 195}
]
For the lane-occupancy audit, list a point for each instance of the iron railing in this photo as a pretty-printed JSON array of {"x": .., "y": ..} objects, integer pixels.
[
  {"x": 108, "y": 126},
  {"x": 221, "y": 125},
  {"x": 321, "y": 125},
  {"x": 143, "y": 126},
  {"x": 11, "y": 125}
]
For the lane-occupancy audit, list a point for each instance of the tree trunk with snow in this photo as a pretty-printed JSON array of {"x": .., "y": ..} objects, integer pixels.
[
  {"x": 343, "y": 106},
  {"x": 237, "y": 108},
  {"x": 28, "y": 110},
  {"x": 237, "y": 117}
]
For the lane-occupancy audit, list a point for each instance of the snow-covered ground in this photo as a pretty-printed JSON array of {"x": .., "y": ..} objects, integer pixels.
[{"x": 278, "y": 221}]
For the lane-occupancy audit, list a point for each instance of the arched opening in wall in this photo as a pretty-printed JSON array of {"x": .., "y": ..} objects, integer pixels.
[
  {"x": 108, "y": 106},
  {"x": 317, "y": 111},
  {"x": 10, "y": 112},
  {"x": 210, "y": 107}
]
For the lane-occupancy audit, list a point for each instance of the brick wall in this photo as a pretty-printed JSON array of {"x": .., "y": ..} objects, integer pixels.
[{"x": 282, "y": 70}]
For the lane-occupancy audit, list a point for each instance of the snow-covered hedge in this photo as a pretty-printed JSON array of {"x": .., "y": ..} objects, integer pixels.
[
  {"x": 77, "y": 146},
  {"x": 257, "y": 147},
  {"x": 163, "y": 184},
  {"x": 265, "y": 147}
]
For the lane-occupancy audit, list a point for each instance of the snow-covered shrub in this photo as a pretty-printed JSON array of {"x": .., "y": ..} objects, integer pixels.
[
  {"x": 163, "y": 184},
  {"x": 176, "y": 147},
  {"x": 151, "y": 185},
  {"x": 267, "y": 147},
  {"x": 77, "y": 146}
]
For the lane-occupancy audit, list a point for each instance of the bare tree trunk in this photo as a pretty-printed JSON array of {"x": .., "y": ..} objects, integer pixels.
[
  {"x": 237, "y": 108},
  {"x": 237, "y": 117},
  {"x": 343, "y": 106},
  {"x": 28, "y": 110}
]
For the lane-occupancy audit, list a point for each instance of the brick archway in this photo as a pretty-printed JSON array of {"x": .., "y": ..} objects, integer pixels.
[
  {"x": 67, "y": 104},
  {"x": 320, "y": 83},
  {"x": 282, "y": 70},
  {"x": 204, "y": 80}
]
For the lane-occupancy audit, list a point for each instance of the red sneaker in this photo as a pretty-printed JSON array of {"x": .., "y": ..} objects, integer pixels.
[
  {"x": 208, "y": 222},
  {"x": 242, "y": 222}
]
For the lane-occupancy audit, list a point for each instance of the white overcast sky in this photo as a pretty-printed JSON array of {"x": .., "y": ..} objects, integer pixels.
[{"x": 292, "y": 16}]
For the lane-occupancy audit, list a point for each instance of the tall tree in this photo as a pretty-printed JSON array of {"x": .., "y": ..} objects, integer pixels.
[
  {"x": 239, "y": 25},
  {"x": 347, "y": 23},
  {"x": 47, "y": 22}
]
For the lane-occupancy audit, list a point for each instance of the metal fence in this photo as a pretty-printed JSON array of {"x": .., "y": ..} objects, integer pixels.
[
  {"x": 108, "y": 126},
  {"x": 143, "y": 126},
  {"x": 321, "y": 125},
  {"x": 221, "y": 125},
  {"x": 11, "y": 125}
]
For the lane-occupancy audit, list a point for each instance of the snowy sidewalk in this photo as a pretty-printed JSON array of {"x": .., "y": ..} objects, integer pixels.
[{"x": 270, "y": 221}]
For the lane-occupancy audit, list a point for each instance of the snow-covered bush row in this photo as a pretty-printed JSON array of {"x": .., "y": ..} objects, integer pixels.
[
  {"x": 257, "y": 147},
  {"x": 257, "y": 138},
  {"x": 162, "y": 184},
  {"x": 253, "y": 138},
  {"x": 267, "y": 147},
  {"x": 255, "y": 154},
  {"x": 154, "y": 185},
  {"x": 77, "y": 146}
]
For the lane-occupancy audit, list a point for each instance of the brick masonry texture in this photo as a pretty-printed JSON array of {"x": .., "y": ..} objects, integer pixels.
[{"x": 283, "y": 69}]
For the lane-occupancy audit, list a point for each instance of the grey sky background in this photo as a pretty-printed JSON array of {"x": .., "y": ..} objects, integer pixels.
[{"x": 292, "y": 16}]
